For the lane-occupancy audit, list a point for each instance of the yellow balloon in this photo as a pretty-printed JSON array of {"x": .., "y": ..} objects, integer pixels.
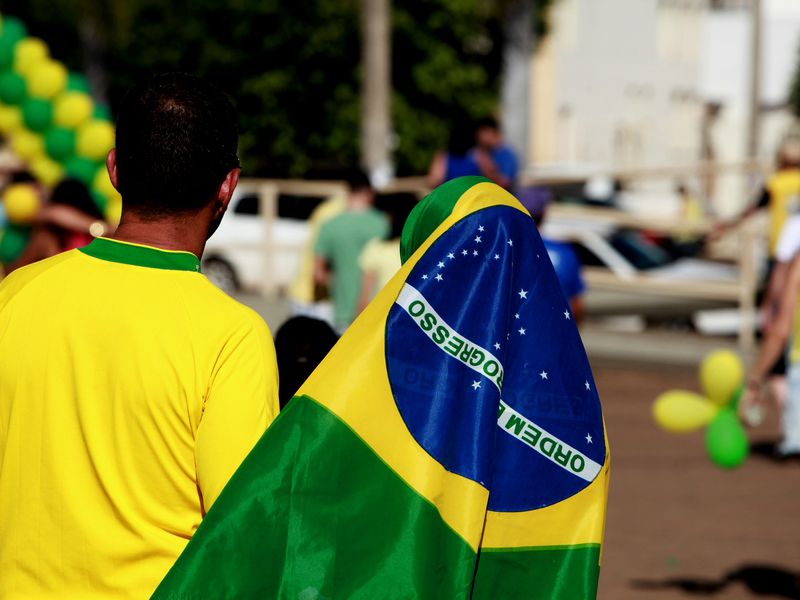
[
  {"x": 70, "y": 109},
  {"x": 10, "y": 118},
  {"x": 46, "y": 78},
  {"x": 21, "y": 203},
  {"x": 27, "y": 53},
  {"x": 95, "y": 138},
  {"x": 721, "y": 374},
  {"x": 46, "y": 170},
  {"x": 27, "y": 145},
  {"x": 114, "y": 210},
  {"x": 680, "y": 411}
]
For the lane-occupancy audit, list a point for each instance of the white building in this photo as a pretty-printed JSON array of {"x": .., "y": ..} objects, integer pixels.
[{"x": 636, "y": 83}]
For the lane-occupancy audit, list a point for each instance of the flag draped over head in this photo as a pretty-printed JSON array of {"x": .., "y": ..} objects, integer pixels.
[{"x": 451, "y": 445}]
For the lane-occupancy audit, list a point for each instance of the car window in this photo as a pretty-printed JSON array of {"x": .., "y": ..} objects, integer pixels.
[{"x": 247, "y": 205}]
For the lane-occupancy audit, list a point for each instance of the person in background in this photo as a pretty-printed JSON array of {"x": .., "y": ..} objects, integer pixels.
[
  {"x": 131, "y": 388},
  {"x": 496, "y": 160},
  {"x": 562, "y": 255},
  {"x": 70, "y": 220},
  {"x": 340, "y": 241},
  {"x": 458, "y": 159},
  {"x": 689, "y": 242},
  {"x": 380, "y": 259},
  {"x": 783, "y": 328},
  {"x": 300, "y": 345},
  {"x": 781, "y": 197},
  {"x": 307, "y": 299}
]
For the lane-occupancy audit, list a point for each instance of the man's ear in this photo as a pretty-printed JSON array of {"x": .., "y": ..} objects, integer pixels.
[
  {"x": 225, "y": 190},
  {"x": 111, "y": 165}
]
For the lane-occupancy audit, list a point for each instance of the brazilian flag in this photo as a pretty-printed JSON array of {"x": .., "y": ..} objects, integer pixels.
[{"x": 451, "y": 445}]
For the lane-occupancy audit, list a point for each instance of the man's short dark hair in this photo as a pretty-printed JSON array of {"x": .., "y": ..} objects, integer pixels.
[
  {"x": 176, "y": 142},
  {"x": 357, "y": 180},
  {"x": 489, "y": 122}
]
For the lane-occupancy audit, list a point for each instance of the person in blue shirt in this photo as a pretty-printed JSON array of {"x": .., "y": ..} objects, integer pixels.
[
  {"x": 562, "y": 254},
  {"x": 496, "y": 160},
  {"x": 458, "y": 159}
]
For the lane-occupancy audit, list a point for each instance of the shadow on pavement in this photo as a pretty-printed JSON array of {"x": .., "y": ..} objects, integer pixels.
[{"x": 762, "y": 580}]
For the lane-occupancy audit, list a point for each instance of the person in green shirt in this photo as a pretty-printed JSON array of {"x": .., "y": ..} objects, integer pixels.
[{"x": 339, "y": 244}]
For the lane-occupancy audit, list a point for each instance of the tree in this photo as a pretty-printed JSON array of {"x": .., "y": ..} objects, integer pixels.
[{"x": 292, "y": 68}]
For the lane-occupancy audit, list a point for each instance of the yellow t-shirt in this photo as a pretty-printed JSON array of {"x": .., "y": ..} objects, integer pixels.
[
  {"x": 382, "y": 258},
  {"x": 130, "y": 391},
  {"x": 784, "y": 195}
]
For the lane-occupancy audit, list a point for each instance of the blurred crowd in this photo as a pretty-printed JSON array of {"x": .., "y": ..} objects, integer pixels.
[{"x": 354, "y": 238}]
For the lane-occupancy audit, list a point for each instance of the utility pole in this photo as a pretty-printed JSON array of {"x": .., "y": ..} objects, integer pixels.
[
  {"x": 515, "y": 98},
  {"x": 755, "y": 78},
  {"x": 376, "y": 119}
]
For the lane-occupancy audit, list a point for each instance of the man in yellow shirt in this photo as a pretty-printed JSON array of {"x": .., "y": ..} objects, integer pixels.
[{"x": 130, "y": 387}]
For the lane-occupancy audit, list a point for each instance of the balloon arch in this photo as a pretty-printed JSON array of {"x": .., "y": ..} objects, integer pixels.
[{"x": 50, "y": 119}]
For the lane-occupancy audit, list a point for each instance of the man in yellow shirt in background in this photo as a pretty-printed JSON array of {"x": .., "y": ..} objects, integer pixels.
[{"x": 130, "y": 387}]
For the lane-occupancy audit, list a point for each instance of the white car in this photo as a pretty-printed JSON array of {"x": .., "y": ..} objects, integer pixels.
[{"x": 240, "y": 256}]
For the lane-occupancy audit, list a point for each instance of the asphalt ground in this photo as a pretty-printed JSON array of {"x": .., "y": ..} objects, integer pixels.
[{"x": 677, "y": 526}]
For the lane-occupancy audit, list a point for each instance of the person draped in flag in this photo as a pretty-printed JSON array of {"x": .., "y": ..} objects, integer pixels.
[
  {"x": 131, "y": 388},
  {"x": 451, "y": 444}
]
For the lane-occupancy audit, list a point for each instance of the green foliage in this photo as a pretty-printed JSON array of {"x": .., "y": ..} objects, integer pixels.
[{"x": 292, "y": 68}]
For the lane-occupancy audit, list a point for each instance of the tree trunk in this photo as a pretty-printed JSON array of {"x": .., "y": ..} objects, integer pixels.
[{"x": 376, "y": 120}]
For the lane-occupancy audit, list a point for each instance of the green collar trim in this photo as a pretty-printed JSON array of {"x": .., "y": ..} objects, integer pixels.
[{"x": 141, "y": 256}]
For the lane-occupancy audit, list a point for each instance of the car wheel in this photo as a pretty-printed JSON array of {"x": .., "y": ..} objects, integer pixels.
[{"x": 221, "y": 274}]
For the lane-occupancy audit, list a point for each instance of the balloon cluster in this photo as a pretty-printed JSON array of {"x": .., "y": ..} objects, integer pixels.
[
  {"x": 50, "y": 119},
  {"x": 681, "y": 411}
]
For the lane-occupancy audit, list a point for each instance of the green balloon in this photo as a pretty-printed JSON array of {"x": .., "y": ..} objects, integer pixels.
[
  {"x": 12, "y": 88},
  {"x": 77, "y": 83},
  {"x": 12, "y": 30},
  {"x": 37, "y": 114},
  {"x": 6, "y": 53},
  {"x": 59, "y": 143},
  {"x": 81, "y": 168},
  {"x": 103, "y": 113},
  {"x": 726, "y": 440},
  {"x": 13, "y": 241}
]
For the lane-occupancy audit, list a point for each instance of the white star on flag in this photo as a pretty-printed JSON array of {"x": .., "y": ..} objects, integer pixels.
[
  {"x": 496, "y": 256},
  {"x": 480, "y": 227},
  {"x": 521, "y": 331},
  {"x": 441, "y": 264},
  {"x": 510, "y": 242},
  {"x": 516, "y": 316},
  {"x": 464, "y": 252},
  {"x": 474, "y": 253},
  {"x": 424, "y": 276},
  {"x": 523, "y": 293},
  {"x": 566, "y": 315},
  {"x": 477, "y": 239},
  {"x": 497, "y": 346},
  {"x": 588, "y": 438},
  {"x": 439, "y": 277},
  {"x": 476, "y": 385},
  {"x": 543, "y": 374},
  {"x": 586, "y": 383},
  {"x": 451, "y": 255}
]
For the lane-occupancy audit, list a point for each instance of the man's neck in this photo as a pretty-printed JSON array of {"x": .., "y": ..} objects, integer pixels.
[{"x": 187, "y": 235}]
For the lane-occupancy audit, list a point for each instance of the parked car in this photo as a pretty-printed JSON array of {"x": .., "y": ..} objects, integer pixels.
[{"x": 238, "y": 258}]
